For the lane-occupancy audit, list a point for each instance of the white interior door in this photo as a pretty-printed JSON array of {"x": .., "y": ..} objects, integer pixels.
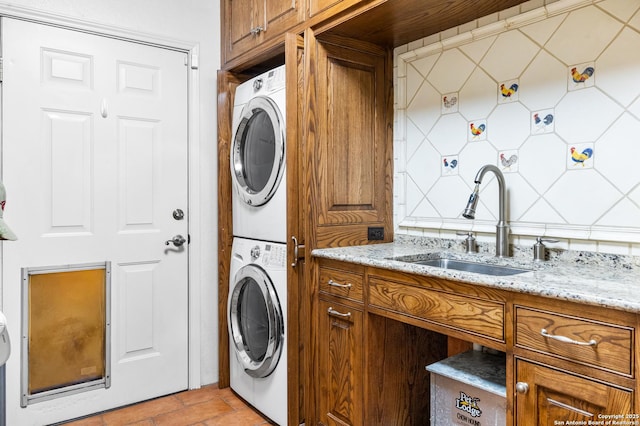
[{"x": 94, "y": 161}]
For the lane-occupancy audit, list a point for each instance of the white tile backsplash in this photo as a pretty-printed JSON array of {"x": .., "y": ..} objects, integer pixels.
[
  {"x": 583, "y": 35},
  {"x": 591, "y": 199},
  {"x": 509, "y": 55}
]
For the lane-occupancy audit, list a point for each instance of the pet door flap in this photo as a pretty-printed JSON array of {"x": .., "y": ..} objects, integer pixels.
[{"x": 65, "y": 330}]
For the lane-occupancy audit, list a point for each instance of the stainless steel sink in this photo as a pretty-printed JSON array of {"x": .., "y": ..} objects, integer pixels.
[{"x": 463, "y": 265}]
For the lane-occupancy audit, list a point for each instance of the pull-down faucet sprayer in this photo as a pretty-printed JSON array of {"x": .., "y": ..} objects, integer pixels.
[{"x": 502, "y": 228}]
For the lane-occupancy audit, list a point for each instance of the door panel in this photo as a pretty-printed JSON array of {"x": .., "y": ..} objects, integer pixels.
[
  {"x": 95, "y": 161},
  {"x": 554, "y": 396}
]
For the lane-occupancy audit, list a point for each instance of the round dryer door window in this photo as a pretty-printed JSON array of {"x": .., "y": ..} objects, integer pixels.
[
  {"x": 256, "y": 324},
  {"x": 258, "y": 151}
]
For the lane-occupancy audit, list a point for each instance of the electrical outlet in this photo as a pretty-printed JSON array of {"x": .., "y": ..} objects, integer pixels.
[{"x": 375, "y": 233}]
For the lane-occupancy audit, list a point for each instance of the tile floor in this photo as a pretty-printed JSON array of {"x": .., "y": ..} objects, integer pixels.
[{"x": 207, "y": 406}]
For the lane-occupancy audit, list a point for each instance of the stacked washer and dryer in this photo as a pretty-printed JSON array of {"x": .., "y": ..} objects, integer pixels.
[{"x": 257, "y": 305}]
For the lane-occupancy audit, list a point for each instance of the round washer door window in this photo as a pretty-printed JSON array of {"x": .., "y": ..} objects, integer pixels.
[
  {"x": 256, "y": 324},
  {"x": 258, "y": 151}
]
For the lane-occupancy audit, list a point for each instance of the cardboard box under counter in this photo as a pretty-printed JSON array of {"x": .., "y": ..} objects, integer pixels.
[{"x": 469, "y": 389}]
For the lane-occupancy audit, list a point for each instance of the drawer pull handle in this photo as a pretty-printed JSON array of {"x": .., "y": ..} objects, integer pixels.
[
  {"x": 564, "y": 339},
  {"x": 335, "y": 313},
  {"x": 332, "y": 283}
]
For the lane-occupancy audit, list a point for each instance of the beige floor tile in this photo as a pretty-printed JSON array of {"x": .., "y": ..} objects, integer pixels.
[
  {"x": 142, "y": 411},
  {"x": 194, "y": 413}
]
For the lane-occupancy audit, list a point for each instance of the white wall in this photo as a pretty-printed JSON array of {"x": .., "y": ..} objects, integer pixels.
[{"x": 196, "y": 21}]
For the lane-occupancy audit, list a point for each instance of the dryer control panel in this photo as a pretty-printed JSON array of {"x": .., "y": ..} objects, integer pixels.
[
  {"x": 269, "y": 255},
  {"x": 275, "y": 256}
]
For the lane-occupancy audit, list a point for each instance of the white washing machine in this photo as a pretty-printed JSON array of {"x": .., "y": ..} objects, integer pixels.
[
  {"x": 259, "y": 203},
  {"x": 257, "y": 313}
]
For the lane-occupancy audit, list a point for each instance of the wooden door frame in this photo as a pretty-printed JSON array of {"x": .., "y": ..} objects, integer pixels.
[{"x": 192, "y": 49}]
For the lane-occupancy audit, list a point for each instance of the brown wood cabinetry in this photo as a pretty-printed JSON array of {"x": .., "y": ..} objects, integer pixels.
[
  {"x": 457, "y": 311},
  {"x": 349, "y": 140},
  {"x": 250, "y": 23},
  {"x": 253, "y": 30},
  {"x": 597, "y": 344},
  {"x": 340, "y": 361},
  {"x": 573, "y": 363},
  {"x": 340, "y": 345},
  {"x": 370, "y": 368},
  {"x": 565, "y": 361},
  {"x": 329, "y": 7},
  {"x": 551, "y": 396}
]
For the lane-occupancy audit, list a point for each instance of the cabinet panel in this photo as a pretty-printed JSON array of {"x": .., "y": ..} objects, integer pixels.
[
  {"x": 333, "y": 6},
  {"x": 240, "y": 20},
  {"x": 349, "y": 147},
  {"x": 461, "y": 312},
  {"x": 341, "y": 283},
  {"x": 552, "y": 397},
  {"x": 613, "y": 344},
  {"x": 280, "y": 15},
  {"x": 249, "y": 23},
  {"x": 340, "y": 364}
]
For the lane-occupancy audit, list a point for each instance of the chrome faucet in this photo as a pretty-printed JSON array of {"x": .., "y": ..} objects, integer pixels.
[{"x": 502, "y": 228}]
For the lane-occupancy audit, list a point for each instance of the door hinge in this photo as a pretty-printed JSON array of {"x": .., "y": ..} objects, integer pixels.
[
  {"x": 298, "y": 251},
  {"x": 1, "y": 70},
  {"x": 195, "y": 61}
]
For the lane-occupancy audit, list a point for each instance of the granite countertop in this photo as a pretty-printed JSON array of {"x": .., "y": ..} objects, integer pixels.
[{"x": 610, "y": 281}]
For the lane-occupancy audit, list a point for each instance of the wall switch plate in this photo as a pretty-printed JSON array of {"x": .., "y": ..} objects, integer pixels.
[{"x": 375, "y": 233}]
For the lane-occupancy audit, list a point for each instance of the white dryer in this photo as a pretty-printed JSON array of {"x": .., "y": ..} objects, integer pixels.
[
  {"x": 256, "y": 313},
  {"x": 259, "y": 202}
]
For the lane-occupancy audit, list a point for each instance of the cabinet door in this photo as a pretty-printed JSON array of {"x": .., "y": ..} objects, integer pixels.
[
  {"x": 340, "y": 364},
  {"x": 546, "y": 396},
  {"x": 348, "y": 141},
  {"x": 280, "y": 15},
  {"x": 239, "y": 21},
  {"x": 248, "y": 23}
]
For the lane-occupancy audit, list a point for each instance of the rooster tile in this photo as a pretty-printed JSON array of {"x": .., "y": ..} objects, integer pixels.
[
  {"x": 580, "y": 156},
  {"x": 449, "y": 103},
  {"x": 477, "y": 130},
  {"x": 508, "y": 91},
  {"x": 508, "y": 161},
  {"x": 581, "y": 76},
  {"x": 450, "y": 165},
  {"x": 542, "y": 121}
]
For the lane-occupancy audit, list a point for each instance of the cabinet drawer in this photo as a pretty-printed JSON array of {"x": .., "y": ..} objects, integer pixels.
[
  {"x": 468, "y": 314},
  {"x": 341, "y": 283},
  {"x": 594, "y": 343}
]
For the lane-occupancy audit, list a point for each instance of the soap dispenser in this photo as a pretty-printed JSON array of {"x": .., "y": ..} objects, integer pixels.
[{"x": 540, "y": 250}]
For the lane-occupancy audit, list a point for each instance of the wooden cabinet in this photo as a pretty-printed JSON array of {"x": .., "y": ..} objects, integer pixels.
[
  {"x": 329, "y": 7},
  {"x": 349, "y": 141},
  {"x": 340, "y": 346},
  {"x": 249, "y": 23},
  {"x": 573, "y": 363},
  {"x": 378, "y": 328},
  {"x": 458, "y": 311},
  {"x": 340, "y": 361},
  {"x": 341, "y": 283},
  {"x": 594, "y": 343},
  {"x": 549, "y": 396}
]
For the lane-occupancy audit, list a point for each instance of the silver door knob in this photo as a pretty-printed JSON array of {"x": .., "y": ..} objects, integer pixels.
[
  {"x": 177, "y": 241},
  {"x": 522, "y": 387}
]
